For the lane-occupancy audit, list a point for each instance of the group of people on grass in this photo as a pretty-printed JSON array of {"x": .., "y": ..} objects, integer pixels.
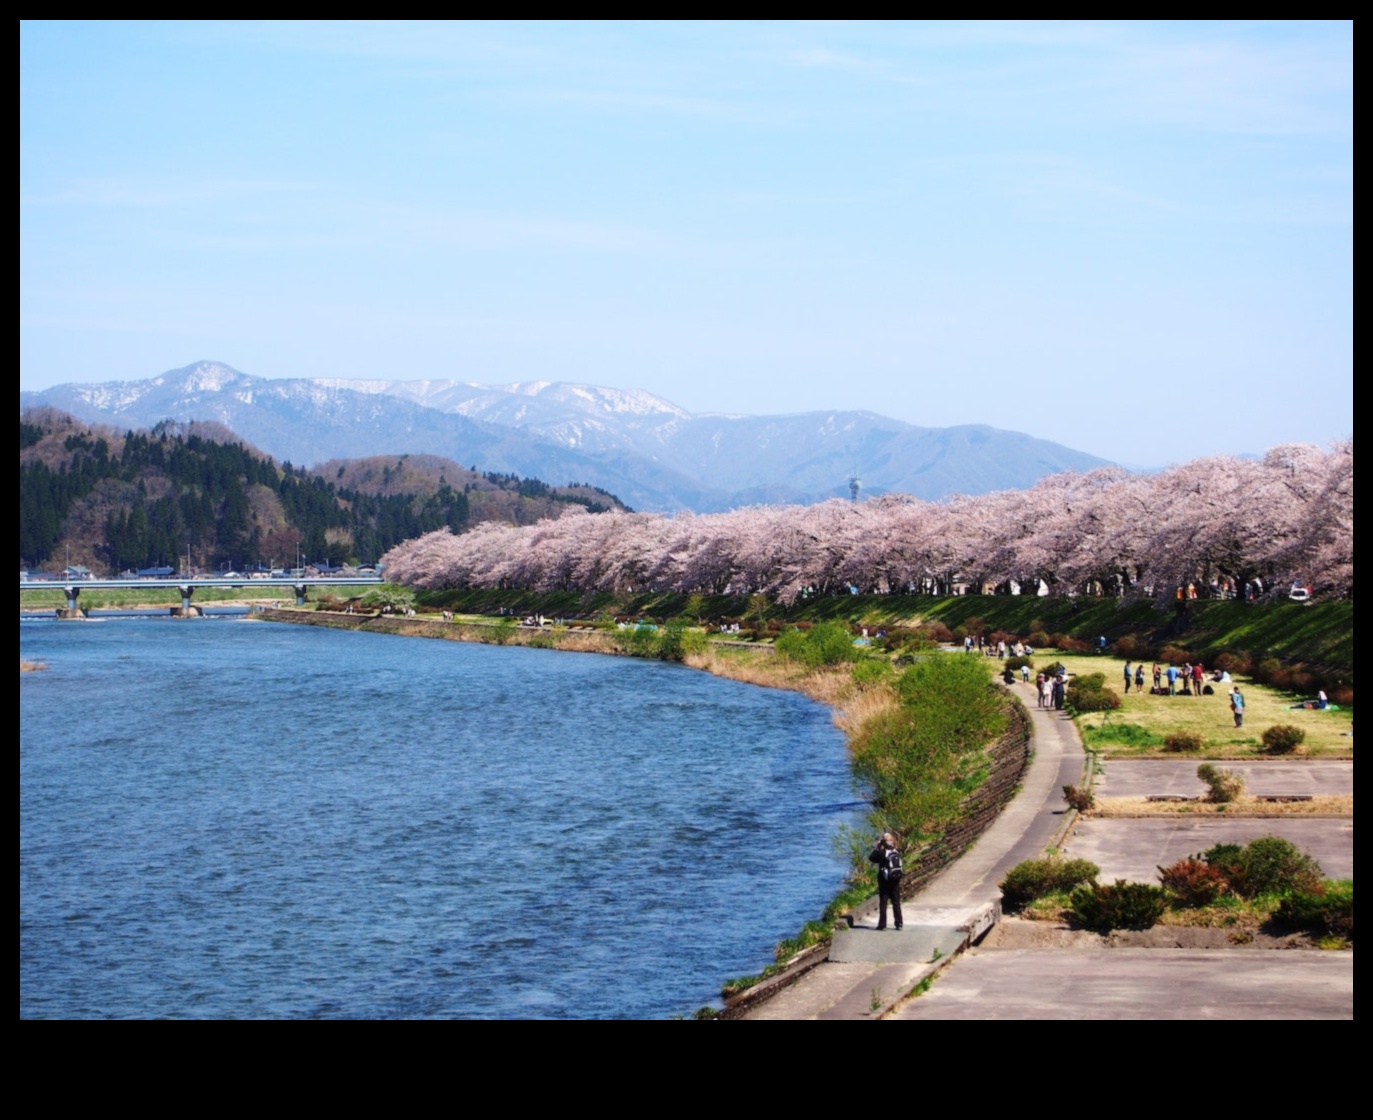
[{"x": 1187, "y": 679}]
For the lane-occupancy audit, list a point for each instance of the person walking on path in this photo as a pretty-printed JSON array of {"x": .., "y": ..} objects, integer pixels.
[{"x": 888, "y": 859}]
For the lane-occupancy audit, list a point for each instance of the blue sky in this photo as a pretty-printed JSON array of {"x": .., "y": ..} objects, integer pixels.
[{"x": 1133, "y": 238}]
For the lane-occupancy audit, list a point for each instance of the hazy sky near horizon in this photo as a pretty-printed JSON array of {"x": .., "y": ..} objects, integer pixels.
[{"x": 1132, "y": 238}]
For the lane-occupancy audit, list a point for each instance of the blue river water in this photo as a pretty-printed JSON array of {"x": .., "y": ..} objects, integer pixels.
[{"x": 246, "y": 819}]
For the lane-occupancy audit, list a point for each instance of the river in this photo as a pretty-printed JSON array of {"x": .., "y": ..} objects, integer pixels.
[{"x": 252, "y": 820}]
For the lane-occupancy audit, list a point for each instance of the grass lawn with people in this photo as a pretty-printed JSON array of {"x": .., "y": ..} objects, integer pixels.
[{"x": 1142, "y": 723}]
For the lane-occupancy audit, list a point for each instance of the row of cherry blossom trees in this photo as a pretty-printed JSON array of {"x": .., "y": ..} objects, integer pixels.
[{"x": 1217, "y": 524}]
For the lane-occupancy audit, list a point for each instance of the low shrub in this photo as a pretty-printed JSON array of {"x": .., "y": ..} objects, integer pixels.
[
  {"x": 826, "y": 643},
  {"x": 1327, "y": 909},
  {"x": 1269, "y": 865},
  {"x": 1274, "y": 865},
  {"x": 1017, "y": 663},
  {"x": 1121, "y": 906},
  {"x": 1344, "y": 697},
  {"x": 1299, "y": 680},
  {"x": 1234, "y": 662},
  {"x": 1079, "y": 798},
  {"x": 1182, "y": 741},
  {"x": 1193, "y": 881},
  {"x": 1088, "y": 693},
  {"x": 1035, "y": 878},
  {"x": 873, "y": 672},
  {"x": 1174, "y": 655},
  {"x": 1268, "y": 670},
  {"x": 936, "y": 631},
  {"x": 1225, "y": 785},
  {"x": 1037, "y": 638},
  {"x": 1131, "y": 647},
  {"x": 1283, "y": 738}
]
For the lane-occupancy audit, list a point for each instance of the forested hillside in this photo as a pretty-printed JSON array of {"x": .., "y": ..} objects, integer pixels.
[{"x": 115, "y": 501}]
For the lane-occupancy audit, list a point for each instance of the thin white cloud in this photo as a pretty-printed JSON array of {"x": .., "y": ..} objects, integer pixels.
[{"x": 111, "y": 192}]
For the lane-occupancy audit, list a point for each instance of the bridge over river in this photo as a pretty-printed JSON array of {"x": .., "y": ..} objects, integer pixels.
[{"x": 188, "y": 587}]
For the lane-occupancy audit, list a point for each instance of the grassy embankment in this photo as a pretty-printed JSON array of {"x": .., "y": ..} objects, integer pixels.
[{"x": 1319, "y": 635}]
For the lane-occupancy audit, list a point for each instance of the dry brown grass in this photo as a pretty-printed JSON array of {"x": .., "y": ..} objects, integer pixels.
[
  {"x": 583, "y": 641},
  {"x": 832, "y": 685},
  {"x": 1323, "y": 805}
]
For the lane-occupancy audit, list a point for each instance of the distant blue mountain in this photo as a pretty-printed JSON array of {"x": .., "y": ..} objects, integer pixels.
[{"x": 646, "y": 450}]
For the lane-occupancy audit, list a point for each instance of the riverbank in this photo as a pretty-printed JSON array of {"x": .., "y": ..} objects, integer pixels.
[{"x": 970, "y": 795}]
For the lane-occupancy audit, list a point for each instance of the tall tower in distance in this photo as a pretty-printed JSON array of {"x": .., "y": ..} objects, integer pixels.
[{"x": 855, "y": 485}]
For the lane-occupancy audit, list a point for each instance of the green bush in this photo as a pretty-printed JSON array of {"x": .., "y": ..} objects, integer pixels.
[
  {"x": 825, "y": 643},
  {"x": 1088, "y": 693},
  {"x": 1036, "y": 878},
  {"x": 1273, "y": 865},
  {"x": 873, "y": 672},
  {"x": 677, "y": 642},
  {"x": 1122, "y": 906},
  {"x": 1283, "y": 738},
  {"x": 1327, "y": 909},
  {"x": 1182, "y": 741},
  {"x": 1015, "y": 664},
  {"x": 958, "y": 708},
  {"x": 1270, "y": 865},
  {"x": 1225, "y": 785}
]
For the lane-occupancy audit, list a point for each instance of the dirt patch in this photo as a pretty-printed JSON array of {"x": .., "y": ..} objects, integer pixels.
[
  {"x": 1318, "y": 805},
  {"x": 1017, "y": 933}
]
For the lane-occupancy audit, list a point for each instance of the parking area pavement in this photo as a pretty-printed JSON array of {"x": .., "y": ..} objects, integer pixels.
[
  {"x": 1165, "y": 777},
  {"x": 1139, "y": 984},
  {"x": 1135, "y": 848}
]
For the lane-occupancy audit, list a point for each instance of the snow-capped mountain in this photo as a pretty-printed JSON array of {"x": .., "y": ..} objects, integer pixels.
[{"x": 647, "y": 450}]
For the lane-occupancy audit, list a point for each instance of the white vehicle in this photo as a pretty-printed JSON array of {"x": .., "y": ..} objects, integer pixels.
[{"x": 1300, "y": 593}]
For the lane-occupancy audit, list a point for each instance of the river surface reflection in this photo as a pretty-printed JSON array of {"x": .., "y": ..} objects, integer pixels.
[{"x": 247, "y": 819}]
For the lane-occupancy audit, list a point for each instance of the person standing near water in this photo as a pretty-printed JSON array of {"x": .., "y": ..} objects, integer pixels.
[{"x": 889, "y": 871}]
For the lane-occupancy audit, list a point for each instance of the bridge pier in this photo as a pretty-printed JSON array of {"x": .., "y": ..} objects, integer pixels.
[
  {"x": 187, "y": 611},
  {"x": 300, "y": 594}
]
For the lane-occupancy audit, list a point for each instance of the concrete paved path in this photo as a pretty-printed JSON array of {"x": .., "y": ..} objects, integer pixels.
[
  {"x": 956, "y": 905},
  {"x": 1140, "y": 984}
]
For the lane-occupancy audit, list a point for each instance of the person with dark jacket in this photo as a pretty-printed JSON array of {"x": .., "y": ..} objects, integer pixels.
[{"x": 887, "y": 856}]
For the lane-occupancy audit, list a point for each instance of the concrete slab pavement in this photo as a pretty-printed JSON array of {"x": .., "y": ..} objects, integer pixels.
[
  {"x": 1148, "y": 777},
  {"x": 1139, "y": 984}
]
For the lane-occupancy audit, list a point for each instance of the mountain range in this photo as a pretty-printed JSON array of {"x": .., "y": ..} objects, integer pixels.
[{"x": 648, "y": 451}]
